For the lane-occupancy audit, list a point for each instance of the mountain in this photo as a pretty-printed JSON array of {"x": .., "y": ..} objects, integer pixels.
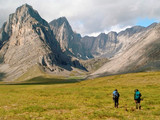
[
  {"x": 130, "y": 31},
  {"x": 69, "y": 41},
  {"x": 63, "y": 32},
  {"x": 104, "y": 45},
  {"x": 27, "y": 40},
  {"x": 111, "y": 44},
  {"x": 141, "y": 55},
  {"x": 117, "y": 47}
]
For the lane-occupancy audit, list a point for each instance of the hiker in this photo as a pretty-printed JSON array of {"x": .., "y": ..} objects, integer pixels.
[
  {"x": 116, "y": 98},
  {"x": 137, "y": 98}
]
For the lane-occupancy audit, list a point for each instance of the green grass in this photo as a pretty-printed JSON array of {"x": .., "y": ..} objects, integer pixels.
[
  {"x": 61, "y": 99},
  {"x": 35, "y": 72}
]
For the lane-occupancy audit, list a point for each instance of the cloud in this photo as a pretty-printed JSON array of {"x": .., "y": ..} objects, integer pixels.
[{"x": 89, "y": 16}]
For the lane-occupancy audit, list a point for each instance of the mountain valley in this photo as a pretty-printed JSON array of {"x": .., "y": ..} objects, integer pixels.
[{"x": 27, "y": 40}]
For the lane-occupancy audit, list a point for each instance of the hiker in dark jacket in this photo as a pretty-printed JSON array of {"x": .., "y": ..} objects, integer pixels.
[
  {"x": 116, "y": 98},
  {"x": 137, "y": 98}
]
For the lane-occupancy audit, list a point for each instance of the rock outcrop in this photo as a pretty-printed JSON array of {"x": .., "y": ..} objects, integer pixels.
[
  {"x": 25, "y": 40},
  {"x": 104, "y": 45},
  {"x": 69, "y": 41}
]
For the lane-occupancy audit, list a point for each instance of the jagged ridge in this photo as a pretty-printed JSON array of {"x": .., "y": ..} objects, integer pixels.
[{"x": 30, "y": 41}]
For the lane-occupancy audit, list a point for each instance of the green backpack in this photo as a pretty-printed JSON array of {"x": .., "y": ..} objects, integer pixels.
[{"x": 137, "y": 95}]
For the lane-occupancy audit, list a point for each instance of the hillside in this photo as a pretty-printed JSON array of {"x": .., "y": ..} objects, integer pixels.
[
  {"x": 142, "y": 55},
  {"x": 89, "y": 100},
  {"x": 93, "y": 64}
]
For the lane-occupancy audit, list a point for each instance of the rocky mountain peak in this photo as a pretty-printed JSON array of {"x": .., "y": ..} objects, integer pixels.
[
  {"x": 62, "y": 31},
  {"x": 25, "y": 13},
  {"x": 101, "y": 35},
  {"x": 24, "y": 20},
  {"x": 130, "y": 31},
  {"x": 112, "y": 33},
  {"x": 27, "y": 40},
  {"x": 152, "y": 25},
  {"x": 62, "y": 21},
  {"x": 26, "y": 10},
  {"x": 112, "y": 36}
]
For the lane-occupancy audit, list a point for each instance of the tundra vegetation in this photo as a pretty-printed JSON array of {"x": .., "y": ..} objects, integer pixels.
[{"x": 54, "y": 98}]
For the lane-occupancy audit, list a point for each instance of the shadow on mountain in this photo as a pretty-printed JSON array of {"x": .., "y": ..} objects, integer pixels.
[
  {"x": 45, "y": 81},
  {"x": 62, "y": 59},
  {"x": 2, "y": 75}
]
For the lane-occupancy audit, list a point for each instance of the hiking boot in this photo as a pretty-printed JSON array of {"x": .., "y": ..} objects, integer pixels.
[{"x": 140, "y": 107}]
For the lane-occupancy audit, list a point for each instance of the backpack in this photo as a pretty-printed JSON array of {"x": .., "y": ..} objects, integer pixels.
[
  {"x": 137, "y": 95},
  {"x": 115, "y": 94}
]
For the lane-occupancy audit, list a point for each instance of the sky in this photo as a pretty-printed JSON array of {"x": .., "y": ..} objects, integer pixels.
[{"x": 91, "y": 17}]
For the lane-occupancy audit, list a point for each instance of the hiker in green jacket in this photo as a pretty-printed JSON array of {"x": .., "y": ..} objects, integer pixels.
[{"x": 137, "y": 98}]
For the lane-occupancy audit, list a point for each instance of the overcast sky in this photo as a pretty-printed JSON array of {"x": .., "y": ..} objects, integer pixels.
[{"x": 90, "y": 17}]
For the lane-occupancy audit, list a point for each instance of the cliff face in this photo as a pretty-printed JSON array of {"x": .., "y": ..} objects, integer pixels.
[
  {"x": 69, "y": 41},
  {"x": 104, "y": 45},
  {"x": 26, "y": 39}
]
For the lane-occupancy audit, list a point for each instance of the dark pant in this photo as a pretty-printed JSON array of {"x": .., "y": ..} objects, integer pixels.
[
  {"x": 116, "y": 102},
  {"x": 137, "y": 101}
]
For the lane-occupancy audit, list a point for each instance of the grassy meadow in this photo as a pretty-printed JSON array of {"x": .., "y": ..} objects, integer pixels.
[{"x": 62, "y": 99}]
